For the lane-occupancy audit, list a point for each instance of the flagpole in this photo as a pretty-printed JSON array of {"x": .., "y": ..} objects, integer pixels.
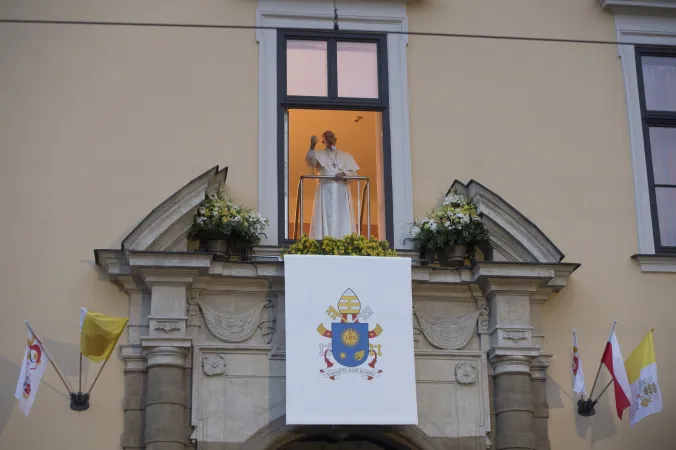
[
  {"x": 51, "y": 360},
  {"x": 80, "y": 387},
  {"x": 97, "y": 375},
  {"x": 604, "y": 389},
  {"x": 102, "y": 366},
  {"x": 612, "y": 330}
]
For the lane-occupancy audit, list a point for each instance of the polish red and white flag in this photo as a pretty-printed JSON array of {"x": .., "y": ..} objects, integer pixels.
[{"x": 614, "y": 362}]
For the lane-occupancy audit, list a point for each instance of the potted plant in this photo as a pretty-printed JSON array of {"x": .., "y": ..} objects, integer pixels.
[
  {"x": 225, "y": 228},
  {"x": 352, "y": 244},
  {"x": 451, "y": 233}
]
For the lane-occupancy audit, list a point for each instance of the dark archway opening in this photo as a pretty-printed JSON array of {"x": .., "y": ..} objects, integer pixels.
[{"x": 345, "y": 438}]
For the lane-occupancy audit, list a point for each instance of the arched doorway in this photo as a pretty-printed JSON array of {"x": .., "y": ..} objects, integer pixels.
[{"x": 278, "y": 436}]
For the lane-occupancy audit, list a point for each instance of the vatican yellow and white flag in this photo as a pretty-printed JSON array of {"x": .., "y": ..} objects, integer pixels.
[
  {"x": 642, "y": 372},
  {"x": 35, "y": 361},
  {"x": 99, "y": 334},
  {"x": 349, "y": 341}
]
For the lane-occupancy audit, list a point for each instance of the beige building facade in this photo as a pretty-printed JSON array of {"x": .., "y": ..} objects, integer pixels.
[{"x": 117, "y": 117}]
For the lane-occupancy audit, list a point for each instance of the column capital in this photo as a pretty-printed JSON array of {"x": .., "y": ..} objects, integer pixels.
[
  {"x": 510, "y": 364},
  {"x": 166, "y": 351}
]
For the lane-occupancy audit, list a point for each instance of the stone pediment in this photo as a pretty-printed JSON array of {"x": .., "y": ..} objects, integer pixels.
[
  {"x": 513, "y": 237},
  {"x": 166, "y": 226}
]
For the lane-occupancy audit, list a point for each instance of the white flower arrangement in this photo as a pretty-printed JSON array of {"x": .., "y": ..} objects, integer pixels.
[
  {"x": 455, "y": 223},
  {"x": 219, "y": 218}
]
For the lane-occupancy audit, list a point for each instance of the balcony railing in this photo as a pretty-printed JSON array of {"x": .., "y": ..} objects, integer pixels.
[{"x": 363, "y": 200}]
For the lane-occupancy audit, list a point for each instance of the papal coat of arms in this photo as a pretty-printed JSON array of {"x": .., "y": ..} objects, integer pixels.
[{"x": 350, "y": 345}]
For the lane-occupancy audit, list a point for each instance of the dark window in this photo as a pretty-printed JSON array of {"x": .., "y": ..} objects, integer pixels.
[
  {"x": 657, "y": 92},
  {"x": 333, "y": 80}
]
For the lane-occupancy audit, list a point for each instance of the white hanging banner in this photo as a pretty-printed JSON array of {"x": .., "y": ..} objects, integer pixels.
[{"x": 349, "y": 341}]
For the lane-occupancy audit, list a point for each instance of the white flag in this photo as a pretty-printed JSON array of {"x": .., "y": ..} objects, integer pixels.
[
  {"x": 578, "y": 373},
  {"x": 35, "y": 362}
]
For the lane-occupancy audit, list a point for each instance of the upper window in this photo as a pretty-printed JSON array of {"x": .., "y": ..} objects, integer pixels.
[
  {"x": 333, "y": 86},
  {"x": 347, "y": 67},
  {"x": 657, "y": 91}
]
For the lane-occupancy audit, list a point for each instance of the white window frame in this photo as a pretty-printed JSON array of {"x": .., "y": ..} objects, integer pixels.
[
  {"x": 642, "y": 29},
  {"x": 364, "y": 15}
]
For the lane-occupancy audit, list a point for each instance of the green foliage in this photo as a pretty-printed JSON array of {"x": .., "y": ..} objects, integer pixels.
[
  {"x": 219, "y": 218},
  {"x": 351, "y": 244},
  {"x": 455, "y": 223}
]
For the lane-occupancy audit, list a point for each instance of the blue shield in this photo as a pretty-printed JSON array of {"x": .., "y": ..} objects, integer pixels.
[{"x": 350, "y": 343}]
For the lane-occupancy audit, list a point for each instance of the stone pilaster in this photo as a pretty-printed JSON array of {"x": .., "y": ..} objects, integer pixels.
[
  {"x": 166, "y": 394},
  {"x": 541, "y": 407},
  {"x": 134, "y": 396}
]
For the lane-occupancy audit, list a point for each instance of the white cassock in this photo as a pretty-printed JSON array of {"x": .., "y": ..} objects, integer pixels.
[{"x": 332, "y": 214}]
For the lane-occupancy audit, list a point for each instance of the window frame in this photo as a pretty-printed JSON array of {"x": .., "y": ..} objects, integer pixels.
[
  {"x": 332, "y": 102},
  {"x": 653, "y": 119}
]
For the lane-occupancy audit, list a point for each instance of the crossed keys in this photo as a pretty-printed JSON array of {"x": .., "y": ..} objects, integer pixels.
[{"x": 372, "y": 348}]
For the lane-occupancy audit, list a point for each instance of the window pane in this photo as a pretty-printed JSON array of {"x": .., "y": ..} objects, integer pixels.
[
  {"x": 357, "y": 69},
  {"x": 306, "y": 68},
  {"x": 663, "y": 152},
  {"x": 666, "y": 213},
  {"x": 659, "y": 82}
]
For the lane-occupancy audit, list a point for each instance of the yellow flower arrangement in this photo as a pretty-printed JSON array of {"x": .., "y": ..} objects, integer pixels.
[{"x": 351, "y": 245}]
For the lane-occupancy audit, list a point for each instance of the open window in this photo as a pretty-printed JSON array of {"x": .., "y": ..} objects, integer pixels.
[{"x": 333, "y": 81}]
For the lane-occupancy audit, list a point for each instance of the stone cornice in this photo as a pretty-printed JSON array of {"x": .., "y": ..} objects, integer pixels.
[
  {"x": 640, "y": 7},
  {"x": 131, "y": 269}
]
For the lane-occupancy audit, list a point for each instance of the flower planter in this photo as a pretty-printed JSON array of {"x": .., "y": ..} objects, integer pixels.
[
  {"x": 218, "y": 246},
  {"x": 452, "y": 256}
]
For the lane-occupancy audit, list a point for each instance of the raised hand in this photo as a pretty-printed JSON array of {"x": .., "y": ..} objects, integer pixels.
[{"x": 313, "y": 142}]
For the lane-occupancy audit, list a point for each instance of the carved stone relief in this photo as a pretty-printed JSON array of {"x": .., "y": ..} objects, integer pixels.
[
  {"x": 193, "y": 308},
  {"x": 514, "y": 335},
  {"x": 239, "y": 328},
  {"x": 213, "y": 364},
  {"x": 167, "y": 325},
  {"x": 483, "y": 318},
  {"x": 466, "y": 373},
  {"x": 446, "y": 333}
]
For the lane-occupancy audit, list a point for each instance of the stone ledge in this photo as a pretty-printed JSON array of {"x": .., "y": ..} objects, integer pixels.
[
  {"x": 640, "y": 7},
  {"x": 127, "y": 266},
  {"x": 664, "y": 263}
]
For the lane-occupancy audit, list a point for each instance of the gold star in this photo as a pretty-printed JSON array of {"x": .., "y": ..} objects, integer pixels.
[{"x": 343, "y": 355}]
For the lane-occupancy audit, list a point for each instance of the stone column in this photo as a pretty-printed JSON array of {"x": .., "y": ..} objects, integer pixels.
[
  {"x": 511, "y": 353},
  {"x": 513, "y": 403},
  {"x": 166, "y": 348},
  {"x": 541, "y": 407},
  {"x": 165, "y": 427}
]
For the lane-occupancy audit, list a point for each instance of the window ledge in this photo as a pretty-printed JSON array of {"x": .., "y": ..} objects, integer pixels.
[
  {"x": 644, "y": 7},
  {"x": 656, "y": 263}
]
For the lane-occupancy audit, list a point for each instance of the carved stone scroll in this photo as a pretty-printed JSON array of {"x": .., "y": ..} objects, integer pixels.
[
  {"x": 238, "y": 328},
  {"x": 447, "y": 333}
]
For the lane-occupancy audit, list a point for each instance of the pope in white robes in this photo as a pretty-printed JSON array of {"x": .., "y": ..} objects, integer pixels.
[{"x": 332, "y": 214}]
